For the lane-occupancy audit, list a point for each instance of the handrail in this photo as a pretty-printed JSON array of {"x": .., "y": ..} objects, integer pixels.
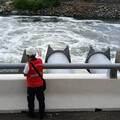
[
  {"x": 82, "y": 66},
  {"x": 63, "y": 66},
  {"x": 112, "y": 72}
]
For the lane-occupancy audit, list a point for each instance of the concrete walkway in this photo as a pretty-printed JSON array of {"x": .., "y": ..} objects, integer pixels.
[{"x": 66, "y": 116}]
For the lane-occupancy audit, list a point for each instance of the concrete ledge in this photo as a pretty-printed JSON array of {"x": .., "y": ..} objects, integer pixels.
[{"x": 64, "y": 92}]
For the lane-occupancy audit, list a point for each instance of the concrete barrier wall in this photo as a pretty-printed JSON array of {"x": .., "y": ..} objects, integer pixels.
[{"x": 64, "y": 92}]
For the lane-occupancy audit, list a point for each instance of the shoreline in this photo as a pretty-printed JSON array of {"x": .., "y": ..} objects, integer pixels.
[
  {"x": 77, "y": 18},
  {"x": 75, "y": 9}
]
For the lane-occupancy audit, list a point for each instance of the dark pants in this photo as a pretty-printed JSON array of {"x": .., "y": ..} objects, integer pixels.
[{"x": 31, "y": 92}]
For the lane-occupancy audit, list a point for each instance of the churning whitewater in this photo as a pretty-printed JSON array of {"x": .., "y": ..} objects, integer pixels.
[{"x": 19, "y": 32}]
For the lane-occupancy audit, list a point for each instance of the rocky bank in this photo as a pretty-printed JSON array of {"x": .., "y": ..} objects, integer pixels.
[{"x": 70, "y": 8}]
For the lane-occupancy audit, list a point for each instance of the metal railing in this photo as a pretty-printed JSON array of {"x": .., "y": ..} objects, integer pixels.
[
  {"x": 63, "y": 66},
  {"x": 112, "y": 67}
]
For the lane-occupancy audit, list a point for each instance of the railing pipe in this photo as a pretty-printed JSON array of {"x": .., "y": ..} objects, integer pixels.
[
  {"x": 63, "y": 66},
  {"x": 81, "y": 66}
]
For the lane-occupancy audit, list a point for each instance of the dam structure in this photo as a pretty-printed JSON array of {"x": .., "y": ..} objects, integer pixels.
[{"x": 68, "y": 91}]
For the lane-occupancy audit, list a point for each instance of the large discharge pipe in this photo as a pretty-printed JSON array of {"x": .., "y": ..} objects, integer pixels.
[
  {"x": 101, "y": 58},
  {"x": 58, "y": 56},
  {"x": 98, "y": 58}
]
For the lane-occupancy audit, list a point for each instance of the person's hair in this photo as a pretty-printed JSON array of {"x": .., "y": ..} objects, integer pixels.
[{"x": 32, "y": 56}]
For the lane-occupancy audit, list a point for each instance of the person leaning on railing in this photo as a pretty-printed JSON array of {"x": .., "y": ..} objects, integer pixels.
[{"x": 34, "y": 82}]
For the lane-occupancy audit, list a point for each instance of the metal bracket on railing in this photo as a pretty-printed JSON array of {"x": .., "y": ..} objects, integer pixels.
[
  {"x": 117, "y": 59},
  {"x": 112, "y": 73}
]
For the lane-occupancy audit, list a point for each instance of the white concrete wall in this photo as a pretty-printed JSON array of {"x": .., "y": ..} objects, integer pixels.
[{"x": 64, "y": 92}]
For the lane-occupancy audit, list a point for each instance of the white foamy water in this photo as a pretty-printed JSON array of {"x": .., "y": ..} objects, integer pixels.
[{"x": 19, "y": 32}]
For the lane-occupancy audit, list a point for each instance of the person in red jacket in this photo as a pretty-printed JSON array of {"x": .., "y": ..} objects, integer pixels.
[{"x": 34, "y": 82}]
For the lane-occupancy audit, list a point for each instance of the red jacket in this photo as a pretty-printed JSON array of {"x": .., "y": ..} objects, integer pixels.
[{"x": 33, "y": 79}]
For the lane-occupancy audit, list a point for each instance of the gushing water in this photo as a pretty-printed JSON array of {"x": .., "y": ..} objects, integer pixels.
[{"x": 19, "y": 32}]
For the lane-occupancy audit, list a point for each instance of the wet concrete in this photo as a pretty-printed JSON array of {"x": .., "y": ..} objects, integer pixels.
[{"x": 65, "y": 116}]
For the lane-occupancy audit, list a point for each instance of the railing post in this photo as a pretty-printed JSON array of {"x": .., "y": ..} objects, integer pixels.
[
  {"x": 112, "y": 73},
  {"x": 117, "y": 59}
]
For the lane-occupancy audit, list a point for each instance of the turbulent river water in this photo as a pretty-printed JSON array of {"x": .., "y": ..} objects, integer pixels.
[{"x": 19, "y": 32}]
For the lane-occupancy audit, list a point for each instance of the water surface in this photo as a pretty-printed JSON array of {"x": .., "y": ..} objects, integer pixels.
[{"x": 19, "y": 32}]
